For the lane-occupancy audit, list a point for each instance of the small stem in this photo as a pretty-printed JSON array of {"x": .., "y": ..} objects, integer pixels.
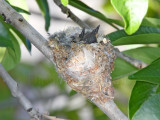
[
  {"x": 135, "y": 62},
  {"x": 13, "y": 86},
  {"x": 71, "y": 15}
]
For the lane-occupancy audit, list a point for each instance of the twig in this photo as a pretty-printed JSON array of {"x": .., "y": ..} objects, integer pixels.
[
  {"x": 52, "y": 117},
  {"x": 13, "y": 86},
  {"x": 71, "y": 15},
  {"x": 135, "y": 62},
  {"x": 74, "y": 18},
  {"x": 27, "y": 105}
]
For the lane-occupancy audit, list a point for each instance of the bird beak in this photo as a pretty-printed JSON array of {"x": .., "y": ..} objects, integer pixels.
[
  {"x": 82, "y": 33},
  {"x": 95, "y": 31}
]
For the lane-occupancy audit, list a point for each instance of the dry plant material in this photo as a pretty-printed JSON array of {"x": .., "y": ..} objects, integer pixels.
[{"x": 85, "y": 60}]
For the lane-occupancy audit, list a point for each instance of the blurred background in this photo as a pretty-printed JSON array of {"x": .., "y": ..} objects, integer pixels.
[{"x": 41, "y": 84}]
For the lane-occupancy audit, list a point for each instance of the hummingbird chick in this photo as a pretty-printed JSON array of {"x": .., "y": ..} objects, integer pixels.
[{"x": 89, "y": 37}]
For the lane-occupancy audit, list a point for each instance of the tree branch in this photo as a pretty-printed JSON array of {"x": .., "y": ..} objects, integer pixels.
[
  {"x": 111, "y": 110},
  {"x": 16, "y": 20},
  {"x": 135, "y": 62},
  {"x": 71, "y": 15},
  {"x": 15, "y": 91},
  {"x": 13, "y": 86}
]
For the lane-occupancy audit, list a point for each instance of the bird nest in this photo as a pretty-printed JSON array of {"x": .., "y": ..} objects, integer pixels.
[{"x": 85, "y": 60}]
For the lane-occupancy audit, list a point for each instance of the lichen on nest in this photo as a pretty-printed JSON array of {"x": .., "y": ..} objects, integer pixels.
[{"x": 85, "y": 60}]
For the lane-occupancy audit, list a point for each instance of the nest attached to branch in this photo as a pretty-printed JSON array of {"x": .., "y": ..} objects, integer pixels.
[{"x": 85, "y": 60}]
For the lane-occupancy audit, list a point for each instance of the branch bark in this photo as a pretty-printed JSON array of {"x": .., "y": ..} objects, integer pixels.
[
  {"x": 71, "y": 15},
  {"x": 17, "y": 20},
  {"x": 27, "y": 105},
  {"x": 111, "y": 110},
  {"x": 13, "y": 86},
  {"x": 135, "y": 62}
]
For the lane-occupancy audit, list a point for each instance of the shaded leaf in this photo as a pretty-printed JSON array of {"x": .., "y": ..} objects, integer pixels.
[
  {"x": 132, "y": 12},
  {"x": 154, "y": 22},
  {"x": 123, "y": 68},
  {"x": 149, "y": 110},
  {"x": 145, "y": 35},
  {"x": 7, "y": 32},
  {"x": 140, "y": 94},
  {"x": 5, "y": 42},
  {"x": 149, "y": 74},
  {"x": 19, "y": 36},
  {"x": 82, "y": 6},
  {"x": 18, "y": 9},
  {"x": 11, "y": 57},
  {"x": 43, "y": 5},
  {"x": 72, "y": 92}
]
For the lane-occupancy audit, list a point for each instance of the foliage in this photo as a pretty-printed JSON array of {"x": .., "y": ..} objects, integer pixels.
[{"x": 141, "y": 25}]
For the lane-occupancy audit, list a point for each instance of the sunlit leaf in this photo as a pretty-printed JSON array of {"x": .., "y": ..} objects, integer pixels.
[
  {"x": 64, "y": 2},
  {"x": 132, "y": 12}
]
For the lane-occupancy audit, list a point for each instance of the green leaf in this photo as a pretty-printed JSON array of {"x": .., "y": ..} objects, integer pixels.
[
  {"x": 19, "y": 36},
  {"x": 132, "y": 12},
  {"x": 72, "y": 92},
  {"x": 123, "y": 68},
  {"x": 149, "y": 74},
  {"x": 64, "y": 2},
  {"x": 5, "y": 36},
  {"x": 43, "y": 5},
  {"x": 11, "y": 57},
  {"x": 18, "y": 9},
  {"x": 140, "y": 93},
  {"x": 145, "y": 35},
  {"x": 149, "y": 110},
  {"x": 82, "y": 6},
  {"x": 5, "y": 42},
  {"x": 7, "y": 29},
  {"x": 154, "y": 22}
]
